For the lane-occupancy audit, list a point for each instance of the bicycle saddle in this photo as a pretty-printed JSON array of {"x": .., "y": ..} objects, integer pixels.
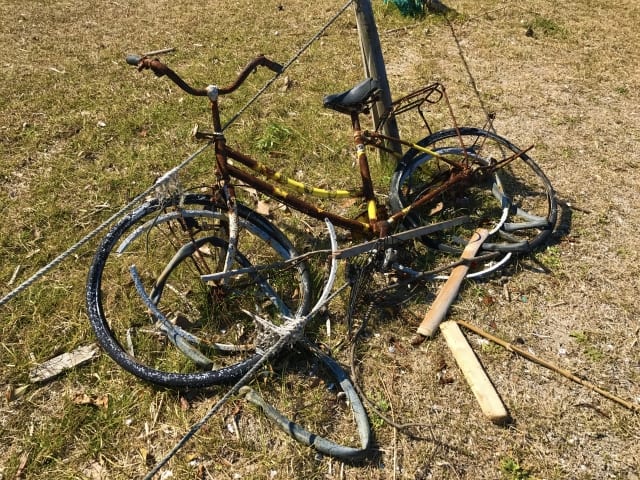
[{"x": 354, "y": 100}]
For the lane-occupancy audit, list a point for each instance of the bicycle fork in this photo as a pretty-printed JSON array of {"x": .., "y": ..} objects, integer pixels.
[{"x": 228, "y": 190}]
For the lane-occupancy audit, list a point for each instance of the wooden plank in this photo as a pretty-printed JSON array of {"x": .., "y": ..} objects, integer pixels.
[
  {"x": 487, "y": 396},
  {"x": 55, "y": 366}
]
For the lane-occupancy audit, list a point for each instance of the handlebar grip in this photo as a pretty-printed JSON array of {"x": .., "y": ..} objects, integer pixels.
[
  {"x": 133, "y": 59},
  {"x": 274, "y": 66}
]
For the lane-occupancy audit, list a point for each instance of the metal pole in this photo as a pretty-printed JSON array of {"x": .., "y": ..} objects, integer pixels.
[{"x": 373, "y": 62}]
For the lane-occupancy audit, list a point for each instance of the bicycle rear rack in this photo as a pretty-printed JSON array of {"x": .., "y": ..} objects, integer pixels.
[{"x": 430, "y": 94}]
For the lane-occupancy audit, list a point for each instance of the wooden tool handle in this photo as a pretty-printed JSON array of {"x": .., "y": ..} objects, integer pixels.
[
  {"x": 490, "y": 402},
  {"x": 449, "y": 290}
]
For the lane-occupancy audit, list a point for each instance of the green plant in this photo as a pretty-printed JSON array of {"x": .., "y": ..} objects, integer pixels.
[
  {"x": 580, "y": 337},
  {"x": 274, "y": 135},
  {"x": 546, "y": 26},
  {"x": 512, "y": 470},
  {"x": 383, "y": 406},
  {"x": 586, "y": 340},
  {"x": 491, "y": 348},
  {"x": 551, "y": 257}
]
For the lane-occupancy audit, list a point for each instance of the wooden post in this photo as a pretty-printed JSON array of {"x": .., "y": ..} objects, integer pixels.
[{"x": 373, "y": 62}]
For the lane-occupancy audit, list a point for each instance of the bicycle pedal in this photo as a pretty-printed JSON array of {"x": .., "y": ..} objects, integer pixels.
[
  {"x": 198, "y": 135},
  {"x": 203, "y": 135}
]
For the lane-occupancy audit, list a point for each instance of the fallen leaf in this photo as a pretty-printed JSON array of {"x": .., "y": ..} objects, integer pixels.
[
  {"x": 263, "y": 208},
  {"x": 436, "y": 208},
  {"x": 488, "y": 300},
  {"x": 95, "y": 471},
  {"x": 286, "y": 83},
  {"x": 148, "y": 459},
  {"x": 349, "y": 202},
  {"x": 253, "y": 193},
  {"x": 102, "y": 401},
  {"x": 192, "y": 456},
  {"x": 8, "y": 394},
  {"x": 24, "y": 458},
  {"x": 84, "y": 399}
]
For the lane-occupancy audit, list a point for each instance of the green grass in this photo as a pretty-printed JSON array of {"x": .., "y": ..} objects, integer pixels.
[
  {"x": 551, "y": 258},
  {"x": 273, "y": 137},
  {"x": 547, "y": 26},
  {"x": 81, "y": 133},
  {"x": 589, "y": 344}
]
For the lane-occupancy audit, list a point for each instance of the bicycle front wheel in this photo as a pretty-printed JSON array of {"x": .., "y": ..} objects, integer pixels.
[
  {"x": 516, "y": 203},
  {"x": 192, "y": 332}
]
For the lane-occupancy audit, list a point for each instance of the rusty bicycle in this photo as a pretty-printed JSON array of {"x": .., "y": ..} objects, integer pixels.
[{"x": 177, "y": 288}]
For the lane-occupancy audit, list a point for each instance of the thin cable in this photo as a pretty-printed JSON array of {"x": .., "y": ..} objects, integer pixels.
[
  {"x": 289, "y": 334},
  {"x": 214, "y": 409},
  {"x": 472, "y": 79},
  {"x": 288, "y": 64},
  {"x": 169, "y": 174},
  {"x": 67, "y": 253},
  {"x": 64, "y": 255}
]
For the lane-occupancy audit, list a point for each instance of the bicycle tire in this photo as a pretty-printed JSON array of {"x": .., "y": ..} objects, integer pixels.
[
  {"x": 171, "y": 244},
  {"x": 516, "y": 203}
]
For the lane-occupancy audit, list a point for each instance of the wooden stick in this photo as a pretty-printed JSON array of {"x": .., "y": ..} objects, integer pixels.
[
  {"x": 57, "y": 365},
  {"x": 490, "y": 402},
  {"x": 449, "y": 291},
  {"x": 565, "y": 373},
  {"x": 158, "y": 52}
]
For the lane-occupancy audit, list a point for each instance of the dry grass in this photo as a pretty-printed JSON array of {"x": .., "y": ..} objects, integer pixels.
[{"x": 81, "y": 134}]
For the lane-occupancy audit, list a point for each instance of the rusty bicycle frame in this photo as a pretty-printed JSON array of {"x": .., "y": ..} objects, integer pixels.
[
  {"x": 378, "y": 222},
  {"x": 377, "y": 228}
]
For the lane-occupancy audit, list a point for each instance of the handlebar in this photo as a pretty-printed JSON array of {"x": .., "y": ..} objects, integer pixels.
[
  {"x": 160, "y": 69},
  {"x": 133, "y": 59}
]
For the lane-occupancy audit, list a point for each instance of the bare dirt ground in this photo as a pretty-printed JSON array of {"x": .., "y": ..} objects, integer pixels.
[{"x": 562, "y": 76}]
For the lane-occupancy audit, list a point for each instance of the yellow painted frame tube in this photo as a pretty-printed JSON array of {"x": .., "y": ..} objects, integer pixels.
[{"x": 304, "y": 188}]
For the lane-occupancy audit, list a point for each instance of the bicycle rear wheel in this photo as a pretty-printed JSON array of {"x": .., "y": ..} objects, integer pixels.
[
  {"x": 516, "y": 203},
  {"x": 204, "y": 333}
]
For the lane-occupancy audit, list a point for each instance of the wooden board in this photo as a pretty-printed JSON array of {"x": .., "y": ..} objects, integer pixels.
[{"x": 490, "y": 402}]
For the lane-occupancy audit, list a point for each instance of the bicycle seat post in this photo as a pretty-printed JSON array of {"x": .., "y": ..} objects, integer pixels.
[{"x": 363, "y": 165}]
